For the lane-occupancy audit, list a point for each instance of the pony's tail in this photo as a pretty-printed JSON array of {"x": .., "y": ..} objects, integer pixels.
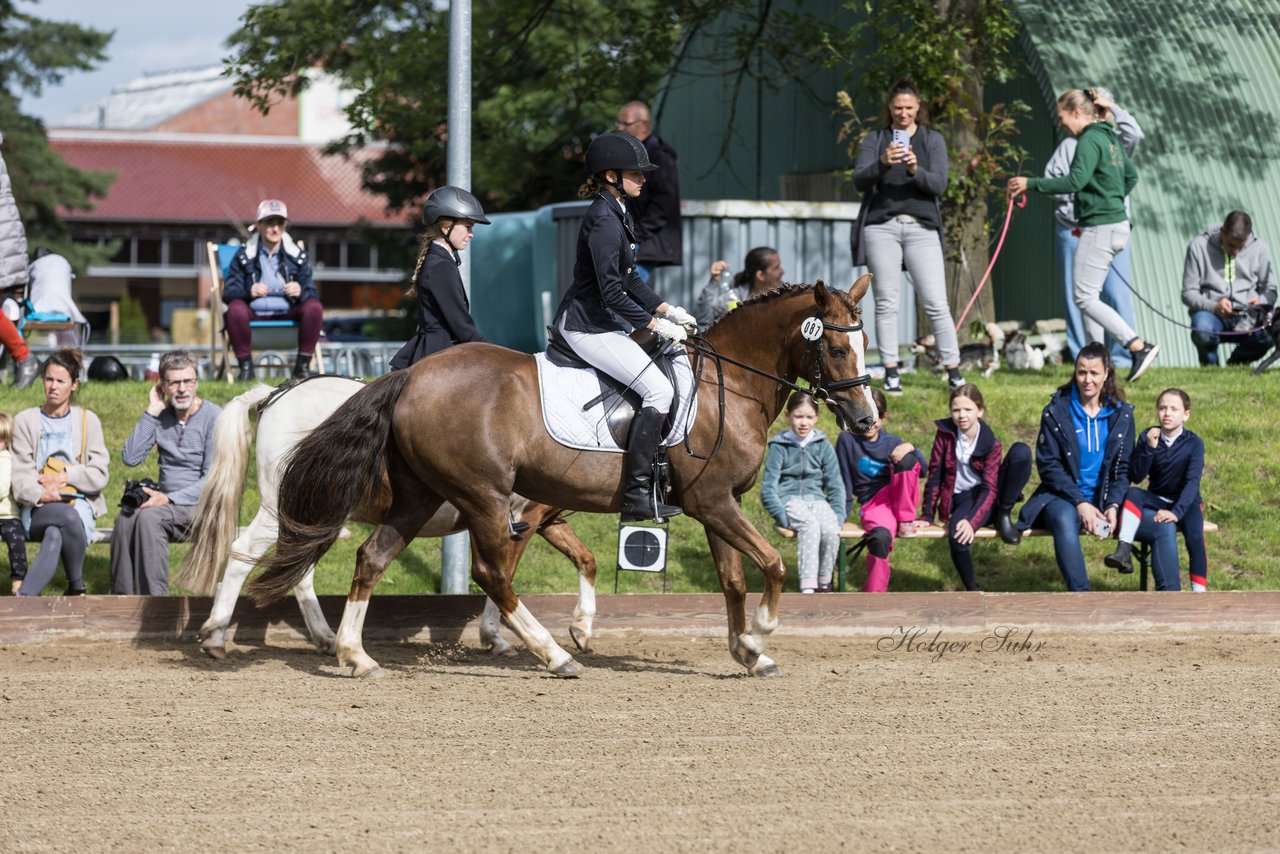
[
  {"x": 335, "y": 467},
  {"x": 217, "y": 517}
]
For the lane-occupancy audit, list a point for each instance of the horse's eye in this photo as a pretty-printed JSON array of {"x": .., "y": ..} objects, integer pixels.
[{"x": 839, "y": 352}]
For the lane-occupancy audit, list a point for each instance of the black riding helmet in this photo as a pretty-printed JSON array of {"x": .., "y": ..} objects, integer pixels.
[
  {"x": 617, "y": 150},
  {"x": 452, "y": 203},
  {"x": 107, "y": 369}
]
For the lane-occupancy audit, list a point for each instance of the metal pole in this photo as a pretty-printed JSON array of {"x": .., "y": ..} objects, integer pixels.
[{"x": 455, "y": 549}]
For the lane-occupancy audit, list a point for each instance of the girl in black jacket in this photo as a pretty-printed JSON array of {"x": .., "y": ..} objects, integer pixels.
[{"x": 444, "y": 314}]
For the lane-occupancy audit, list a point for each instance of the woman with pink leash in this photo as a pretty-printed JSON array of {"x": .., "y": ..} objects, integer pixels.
[{"x": 1101, "y": 176}]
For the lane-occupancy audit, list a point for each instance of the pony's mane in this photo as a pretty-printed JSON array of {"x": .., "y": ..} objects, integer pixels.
[{"x": 784, "y": 290}]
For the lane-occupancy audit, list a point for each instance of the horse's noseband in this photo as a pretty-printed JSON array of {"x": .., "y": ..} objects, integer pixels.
[{"x": 815, "y": 350}]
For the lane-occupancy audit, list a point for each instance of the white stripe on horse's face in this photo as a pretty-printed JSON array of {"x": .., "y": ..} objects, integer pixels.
[{"x": 858, "y": 340}]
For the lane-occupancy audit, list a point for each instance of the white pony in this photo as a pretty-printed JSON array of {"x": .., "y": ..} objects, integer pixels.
[{"x": 215, "y": 538}]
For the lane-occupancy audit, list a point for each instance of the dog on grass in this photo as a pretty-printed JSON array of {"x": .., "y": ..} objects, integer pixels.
[{"x": 980, "y": 356}]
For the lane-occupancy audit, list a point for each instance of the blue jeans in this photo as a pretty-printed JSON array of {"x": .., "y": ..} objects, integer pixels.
[
  {"x": 1062, "y": 519},
  {"x": 1114, "y": 293},
  {"x": 1249, "y": 348}
]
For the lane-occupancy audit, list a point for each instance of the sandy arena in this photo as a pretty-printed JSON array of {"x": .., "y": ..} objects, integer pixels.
[{"x": 1091, "y": 741}]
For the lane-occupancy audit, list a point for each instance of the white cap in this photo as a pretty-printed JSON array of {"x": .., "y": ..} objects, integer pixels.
[{"x": 271, "y": 207}]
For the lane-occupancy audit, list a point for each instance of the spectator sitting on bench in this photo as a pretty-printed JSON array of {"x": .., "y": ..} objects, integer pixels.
[
  {"x": 968, "y": 483},
  {"x": 802, "y": 490},
  {"x": 1082, "y": 456},
  {"x": 270, "y": 279},
  {"x": 883, "y": 472},
  {"x": 180, "y": 424},
  {"x": 1174, "y": 457}
]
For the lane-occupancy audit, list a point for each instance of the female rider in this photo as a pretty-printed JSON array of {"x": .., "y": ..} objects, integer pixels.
[
  {"x": 444, "y": 314},
  {"x": 607, "y": 300}
]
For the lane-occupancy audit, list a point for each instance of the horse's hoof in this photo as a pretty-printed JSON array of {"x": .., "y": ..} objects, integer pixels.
[
  {"x": 374, "y": 672},
  {"x": 507, "y": 651},
  {"x": 581, "y": 639},
  {"x": 770, "y": 670},
  {"x": 218, "y": 652},
  {"x": 569, "y": 670}
]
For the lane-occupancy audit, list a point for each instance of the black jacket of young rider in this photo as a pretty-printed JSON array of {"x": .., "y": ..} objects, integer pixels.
[{"x": 607, "y": 293}]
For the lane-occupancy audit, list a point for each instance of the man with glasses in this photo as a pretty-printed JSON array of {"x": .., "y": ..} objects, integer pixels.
[
  {"x": 180, "y": 424},
  {"x": 656, "y": 211},
  {"x": 270, "y": 278}
]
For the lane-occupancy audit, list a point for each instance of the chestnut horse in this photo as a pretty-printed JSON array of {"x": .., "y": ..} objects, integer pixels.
[
  {"x": 285, "y": 415},
  {"x": 465, "y": 426}
]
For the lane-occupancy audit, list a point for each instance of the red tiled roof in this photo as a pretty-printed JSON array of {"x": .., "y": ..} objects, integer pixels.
[{"x": 219, "y": 180}]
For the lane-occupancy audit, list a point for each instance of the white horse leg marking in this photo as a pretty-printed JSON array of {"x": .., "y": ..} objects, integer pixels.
[
  {"x": 259, "y": 536},
  {"x": 539, "y": 641},
  {"x": 490, "y": 630},
  {"x": 350, "y": 645},
  {"x": 583, "y": 614},
  {"x": 317, "y": 626}
]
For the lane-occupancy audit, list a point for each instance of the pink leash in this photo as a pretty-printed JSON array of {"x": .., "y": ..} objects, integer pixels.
[{"x": 1008, "y": 215}]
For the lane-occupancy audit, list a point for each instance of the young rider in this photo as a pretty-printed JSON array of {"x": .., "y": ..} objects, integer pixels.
[{"x": 607, "y": 301}]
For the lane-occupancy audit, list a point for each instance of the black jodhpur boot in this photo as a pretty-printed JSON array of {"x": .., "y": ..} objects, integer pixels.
[
  {"x": 1005, "y": 527},
  {"x": 302, "y": 367},
  {"x": 639, "y": 501},
  {"x": 246, "y": 374},
  {"x": 1121, "y": 559}
]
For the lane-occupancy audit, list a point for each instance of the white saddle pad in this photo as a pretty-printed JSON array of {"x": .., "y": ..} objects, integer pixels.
[{"x": 566, "y": 390}]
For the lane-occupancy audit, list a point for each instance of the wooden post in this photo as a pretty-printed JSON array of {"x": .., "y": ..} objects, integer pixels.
[{"x": 113, "y": 322}]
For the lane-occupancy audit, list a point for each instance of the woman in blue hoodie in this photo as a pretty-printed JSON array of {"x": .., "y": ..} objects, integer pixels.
[
  {"x": 802, "y": 490},
  {"x": 1082, "y": 457}
]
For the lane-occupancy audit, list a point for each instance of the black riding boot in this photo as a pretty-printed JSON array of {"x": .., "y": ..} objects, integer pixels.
[
  {"x": 1005, "y": 527},
  {"x": 246, "y": 373},
  {"x": 302, "y": 367},
  {"x": 1121, "y": 558},
  {"x": 639, "y": 503}
]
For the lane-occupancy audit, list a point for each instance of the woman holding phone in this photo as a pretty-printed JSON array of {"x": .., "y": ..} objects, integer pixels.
[{"x": 901, "y": 171}]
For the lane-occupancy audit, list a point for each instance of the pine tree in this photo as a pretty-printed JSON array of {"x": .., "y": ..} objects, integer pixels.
[{"x": 35, "y": 53}]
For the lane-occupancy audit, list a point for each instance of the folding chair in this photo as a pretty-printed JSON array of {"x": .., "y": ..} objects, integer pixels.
[{"x": 220, "y": 258}]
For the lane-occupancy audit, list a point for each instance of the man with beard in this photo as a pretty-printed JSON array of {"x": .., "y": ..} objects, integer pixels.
[{"x": 180, "y": 424}]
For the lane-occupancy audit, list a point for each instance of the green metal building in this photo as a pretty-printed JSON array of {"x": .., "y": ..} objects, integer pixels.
[{"x": 1202, "y": 78}]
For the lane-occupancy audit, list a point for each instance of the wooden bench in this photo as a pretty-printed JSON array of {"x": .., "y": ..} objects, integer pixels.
[{"x": 854, "y": 531}]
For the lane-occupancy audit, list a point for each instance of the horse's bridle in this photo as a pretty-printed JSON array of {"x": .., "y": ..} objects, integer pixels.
[{"x": 813, "y": 353}]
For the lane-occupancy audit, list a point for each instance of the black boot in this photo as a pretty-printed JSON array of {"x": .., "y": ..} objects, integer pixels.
[
  {"x": 246, "y": 374},
  {"x": 639, "y": 503},
  {"x": 1005, "y": 528},
  {"x": 1121, "y": 558},
  {"x": 302, "y": 367}
]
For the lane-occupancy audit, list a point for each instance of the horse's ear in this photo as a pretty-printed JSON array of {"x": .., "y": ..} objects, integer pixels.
[
  {"x": 859, "y": 289},
  {"x": 820, "y": 294}
]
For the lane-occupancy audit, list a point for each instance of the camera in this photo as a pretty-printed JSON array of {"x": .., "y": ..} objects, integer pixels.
[{"x": 135, "y": 495}]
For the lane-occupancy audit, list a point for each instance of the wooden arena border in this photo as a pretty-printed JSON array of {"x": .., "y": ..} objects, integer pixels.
[{"x": 438, "y": 619}]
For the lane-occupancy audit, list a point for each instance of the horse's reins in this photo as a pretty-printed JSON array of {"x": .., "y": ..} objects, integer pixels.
[{"x": 812, "y": 330}]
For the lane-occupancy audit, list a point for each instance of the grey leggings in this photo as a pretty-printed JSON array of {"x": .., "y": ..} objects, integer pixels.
[
  {"x": 889, "y": 245},
  {"x": 1099, "y": 245},
  {"x": 58, "y": 529}
]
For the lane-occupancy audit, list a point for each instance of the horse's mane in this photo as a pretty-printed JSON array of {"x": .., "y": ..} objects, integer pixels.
[{"x": 784, "y": 290}]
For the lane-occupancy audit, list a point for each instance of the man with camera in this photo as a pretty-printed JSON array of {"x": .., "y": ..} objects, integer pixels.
[{"x": 180, "y": 424}]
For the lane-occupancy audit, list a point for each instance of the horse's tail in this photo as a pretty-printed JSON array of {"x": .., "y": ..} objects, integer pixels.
[
  {"x": 217, "y": 517},
  {"x": 334, "y": 468}
]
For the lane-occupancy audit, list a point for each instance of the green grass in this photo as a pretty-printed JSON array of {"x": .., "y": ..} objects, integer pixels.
[{"x": 1232, "y": 410}]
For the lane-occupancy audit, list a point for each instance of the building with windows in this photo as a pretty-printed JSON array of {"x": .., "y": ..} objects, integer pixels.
[{"x": 191, "y": 163}]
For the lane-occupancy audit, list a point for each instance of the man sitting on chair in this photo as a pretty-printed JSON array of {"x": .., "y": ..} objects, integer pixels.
[
  {"x": 270, "y": 279},
  {"x": 180, "y": 424}
]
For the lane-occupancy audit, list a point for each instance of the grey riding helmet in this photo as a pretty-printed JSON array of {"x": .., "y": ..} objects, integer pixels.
[
  {"x": 617, "y": 150},
  {"x": 452, "y": 203}
]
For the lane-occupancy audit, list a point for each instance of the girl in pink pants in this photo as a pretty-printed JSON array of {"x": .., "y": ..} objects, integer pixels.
[{"x": 883, "y": 473}]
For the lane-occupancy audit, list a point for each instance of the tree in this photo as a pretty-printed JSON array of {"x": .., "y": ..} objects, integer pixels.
[
  {"x": 951, "y": 48},
  {"x": 35, "y": 53},
  {"x": 547, "y": 76}
]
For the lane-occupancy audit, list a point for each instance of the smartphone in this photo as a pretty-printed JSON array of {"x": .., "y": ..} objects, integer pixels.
[
  {"x": 1102, "y": 529},
  {"x": 902, "y": 138}
]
